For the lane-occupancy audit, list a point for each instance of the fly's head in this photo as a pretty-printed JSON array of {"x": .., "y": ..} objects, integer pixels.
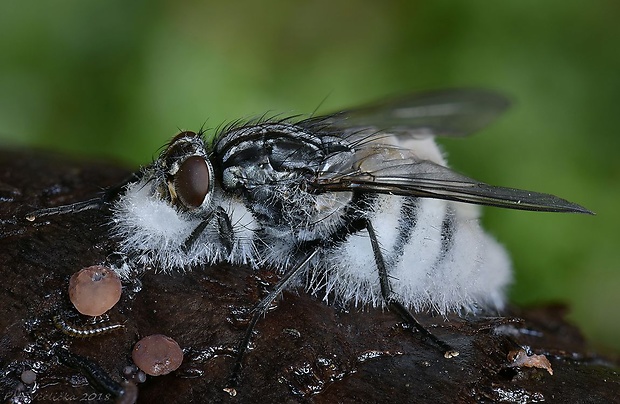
[
  {"x": 185, "y": 177},
  {"x": 171, "y": 218}
]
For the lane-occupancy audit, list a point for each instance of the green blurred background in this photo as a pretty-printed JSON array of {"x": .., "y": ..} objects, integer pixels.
[{"x": 116, "y": 79}]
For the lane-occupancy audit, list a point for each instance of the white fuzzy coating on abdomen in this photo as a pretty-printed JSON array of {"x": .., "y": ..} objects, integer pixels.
[
  {"x": 444, "y": 262},
  {"x": 437, "y": 255}
]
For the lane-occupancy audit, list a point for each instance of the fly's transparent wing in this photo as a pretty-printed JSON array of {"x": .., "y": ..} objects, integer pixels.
[
  {"x": 436, "y": 113},
  {"x": 392, "y": 170}
]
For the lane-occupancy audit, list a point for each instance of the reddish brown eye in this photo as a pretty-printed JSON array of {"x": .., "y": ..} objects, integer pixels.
[{"x": 192, "y": 181}]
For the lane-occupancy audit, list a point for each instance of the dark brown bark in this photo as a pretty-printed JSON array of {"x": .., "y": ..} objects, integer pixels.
[{"x": 303, "y": 350}]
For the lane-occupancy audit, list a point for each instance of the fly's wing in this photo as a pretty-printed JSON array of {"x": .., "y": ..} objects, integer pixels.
[
  {"x": 397, "y": 171},
  {"x": 452, "y": 113}
]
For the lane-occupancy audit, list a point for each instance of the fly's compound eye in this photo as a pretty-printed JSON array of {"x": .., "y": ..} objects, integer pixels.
[{"x": 192, "y": 182}]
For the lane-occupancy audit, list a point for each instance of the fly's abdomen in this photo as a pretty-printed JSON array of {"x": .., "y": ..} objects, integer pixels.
[
  {"x": 467, "y": 269},
  {"x": 437, "y": 257}
]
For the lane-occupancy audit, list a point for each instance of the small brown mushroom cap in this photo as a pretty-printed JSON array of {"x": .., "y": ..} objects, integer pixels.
[
  {"x": 157, "y": 355},
  {"x": 94, "y": 290}
]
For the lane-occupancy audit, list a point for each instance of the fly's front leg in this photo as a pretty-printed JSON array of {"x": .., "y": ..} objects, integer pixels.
[
  {"x": 191, "y": 240},
  {"x": 90, "y": 204},
  {"x": 224, "y": 227},
  {"x": 392, "y": 301}
]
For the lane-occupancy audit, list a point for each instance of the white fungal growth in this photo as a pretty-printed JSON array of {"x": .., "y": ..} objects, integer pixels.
[{"x": 156, "y": 233}]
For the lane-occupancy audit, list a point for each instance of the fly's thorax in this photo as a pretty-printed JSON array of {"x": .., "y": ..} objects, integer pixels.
[
  {"x": 304, "y": 216},
  {"x": 284, "y": 202},
  {"x": 268, "y": 154},
  {"x": 273, "y": 166}
]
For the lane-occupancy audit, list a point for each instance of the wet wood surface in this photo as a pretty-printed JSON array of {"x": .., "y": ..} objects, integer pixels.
[{"x": 302, "y": 351}]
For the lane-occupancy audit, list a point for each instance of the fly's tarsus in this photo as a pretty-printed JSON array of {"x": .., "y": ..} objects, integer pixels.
[
  {"x": 91, "y": 204},
  {"x": 99, "y": 202}
]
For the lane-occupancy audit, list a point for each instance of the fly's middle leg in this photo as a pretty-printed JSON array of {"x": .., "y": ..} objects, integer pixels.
[{"x": 259, "y": 310}]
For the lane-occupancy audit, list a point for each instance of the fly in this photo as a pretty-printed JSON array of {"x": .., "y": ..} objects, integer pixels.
[{"x": 358, "y": 207}]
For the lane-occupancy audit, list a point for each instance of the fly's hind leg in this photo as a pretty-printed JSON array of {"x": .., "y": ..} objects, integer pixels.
[{"x": 394, "y": 304}]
